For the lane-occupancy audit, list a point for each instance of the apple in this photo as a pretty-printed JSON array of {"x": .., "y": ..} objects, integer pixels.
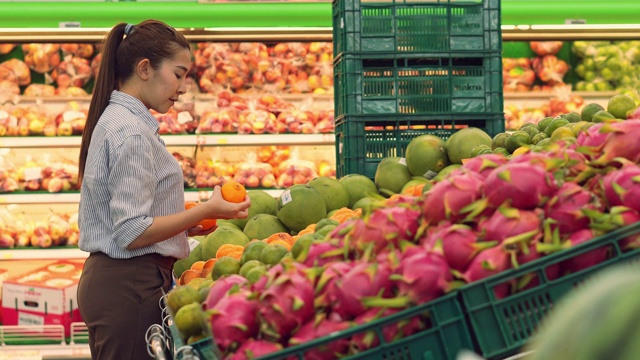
[
  {"x": 36, "y": 127},
  {"x": 64, "y": 129},
  {"x": 268, "y": 181},
  {"x": 32, "y": 185},
  {"x": 22, "y": 240},
  {"x": 252, "y": 181},
  {"x": 213, "y": 181},
  {"x": 6, "y": 241},
  {"x": 43, "y": 241},
  {"x": 54, "y": 185}
]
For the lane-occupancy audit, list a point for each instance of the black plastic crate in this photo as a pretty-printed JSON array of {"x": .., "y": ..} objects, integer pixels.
[
  {"x": 413, "y": 84},
  {"x": 362, "y": 141},
  {"x": 401, "y": 26}
]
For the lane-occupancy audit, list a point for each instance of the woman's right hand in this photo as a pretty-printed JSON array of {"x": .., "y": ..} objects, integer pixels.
[{"x": 221, "y": 209}]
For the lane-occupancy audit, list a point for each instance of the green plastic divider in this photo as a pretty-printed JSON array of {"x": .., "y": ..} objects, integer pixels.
[{"x": 192, "y": 14}]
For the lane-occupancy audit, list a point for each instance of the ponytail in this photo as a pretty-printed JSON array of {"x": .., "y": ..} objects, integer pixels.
[{"x": 106, "y": 82}]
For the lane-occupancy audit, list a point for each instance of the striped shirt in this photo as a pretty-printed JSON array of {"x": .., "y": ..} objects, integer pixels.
[{"x": 130, "y": 177}]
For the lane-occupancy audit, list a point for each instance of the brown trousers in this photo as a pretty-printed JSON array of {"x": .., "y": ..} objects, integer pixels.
[{"x": 119, "y": 301}]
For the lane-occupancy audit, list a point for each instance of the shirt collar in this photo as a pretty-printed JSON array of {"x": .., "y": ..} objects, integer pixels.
[{"x": 136, "y": 107}]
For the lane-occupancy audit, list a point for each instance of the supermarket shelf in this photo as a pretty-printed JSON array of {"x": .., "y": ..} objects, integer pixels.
[
  {"x": 181, "y": 140},
  {"x": 74, "y": 197},
  {"x": 48, "y": 253},
  {"x": 545, "y": 95}
]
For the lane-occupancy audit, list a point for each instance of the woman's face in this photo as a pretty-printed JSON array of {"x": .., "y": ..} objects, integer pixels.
[{"x": 168, "y": 82}]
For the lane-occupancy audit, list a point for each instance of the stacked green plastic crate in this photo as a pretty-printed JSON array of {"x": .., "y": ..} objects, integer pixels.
[{"x": 406, "y": 68}]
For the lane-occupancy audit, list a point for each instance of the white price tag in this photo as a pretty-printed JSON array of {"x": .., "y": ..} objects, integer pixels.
[
  {"x": 184, "y": 117},
  {"x": 72, "y": 115},
  {"x": 33, "y": 173},
  {"x": 403, "y": 161},
  {"x": 430, "y": 174},
  {"x": 193, "y": 243},
  {"x": 286, "y": 197},
  {"x": 30, "y": 319},
  {"x": 20, "y": 354}
]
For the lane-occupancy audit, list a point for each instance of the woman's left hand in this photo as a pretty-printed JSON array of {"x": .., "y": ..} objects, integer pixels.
[{"x": 197, "y": 231}]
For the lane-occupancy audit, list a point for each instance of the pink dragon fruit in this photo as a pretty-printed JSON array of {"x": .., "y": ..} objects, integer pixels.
[
  {"x": 588, "y": 142},
  {"x": 320, "y": 327},
  {"x": 586, "y": 260},
  {"x": 365, "y": 340},
  {"x": 285, "y": 303},
  {"x": 459, "y": 245},
  {"x": 484, "y": 164},
  {"x": 233, "y": 320},
  {"x": 343, "y": 231},
  {"x": 323, "y": 253},
  {"x": 621, "y": 141},
  {"x": 623, "y": 216},
  {"x": 385, "y": 227},
  {"x": 422, "y": 277},
  {"x": 451, "y": 199},
  {"x": 511, "y": 225},
  {"x": 565, "y": 208},
  {"x": 487, "y": 263},
  {"x": 326, "y": 280},
  {"x": 252, "y": 349},
  {"x": 622, "y": 187},
  {"x": 362, "y": 285},
  {"x": 530, "y": 281},
  {"x": 221, "y": 287},
  {"x": 522, "y": 185}
]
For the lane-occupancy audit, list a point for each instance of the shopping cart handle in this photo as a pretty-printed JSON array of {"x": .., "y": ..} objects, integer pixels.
[{"x": 155, "y": 337}]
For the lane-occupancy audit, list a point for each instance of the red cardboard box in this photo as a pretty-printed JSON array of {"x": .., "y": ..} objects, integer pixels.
[{"x": 44, "y": 296}]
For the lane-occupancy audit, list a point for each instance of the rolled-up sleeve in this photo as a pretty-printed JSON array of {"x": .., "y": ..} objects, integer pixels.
[{"x": 131, "y": 183}]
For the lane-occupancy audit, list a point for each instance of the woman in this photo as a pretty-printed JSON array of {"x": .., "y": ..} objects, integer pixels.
[{"x": 132, "y": 216}]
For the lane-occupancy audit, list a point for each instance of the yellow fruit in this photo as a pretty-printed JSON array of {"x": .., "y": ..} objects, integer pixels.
[
  {"x": 180, "y": 296},
  {"x": 521, "y": 150},
  {"x": 190, "y": 319},
  {"x": 562, "y": 132}
]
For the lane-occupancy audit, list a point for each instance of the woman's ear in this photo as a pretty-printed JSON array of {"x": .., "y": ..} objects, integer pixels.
[{"x": 143, "y": 69}]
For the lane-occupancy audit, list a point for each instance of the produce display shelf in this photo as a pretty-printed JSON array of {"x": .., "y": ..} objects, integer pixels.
[
  {"x": 180, "y": 140},
  {"x": 442, "y": 340},
  {"x": 502, "y": 326},
  {"x": 53, "y": 253}
]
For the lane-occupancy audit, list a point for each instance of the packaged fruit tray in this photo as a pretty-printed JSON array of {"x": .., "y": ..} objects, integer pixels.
[
  {"x": 445, "y": 335},
  {"x": 363, "y": 141},
  {"x": 502, "y": 326},
  {"x": 414, "y": 84},
  {"x": 416, "y": 26}
]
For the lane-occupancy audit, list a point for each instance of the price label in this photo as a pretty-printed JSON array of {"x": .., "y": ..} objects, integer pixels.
[
  {"x": 430, "y": 174},
  {"x": 184, "y": 117},
  {"x": 71, "y": 115},
  {"x": 222, "y": 141},
  {"x": 11, "y": 354},
  {"x": 286, "y": 197},
  {"x": 6, "y": 256},
  {"x": 403, "y": 161},
  {"x": 193, "y": 243},
  {"x": 2, "y": 200},
  {"x": 33, "y": 173}
]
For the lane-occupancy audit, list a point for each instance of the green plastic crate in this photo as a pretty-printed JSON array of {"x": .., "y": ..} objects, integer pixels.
[
  {"x": 501, "y": 327},
  {"x": 362, "y": 141},
  {"x": 414, "y": 84},
  {"x": 401, "y": 26},
  {"x": 445, "y": 337}
]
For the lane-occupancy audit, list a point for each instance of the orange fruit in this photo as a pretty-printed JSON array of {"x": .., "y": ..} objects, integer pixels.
[
  {"x": 233, "y": 191},
  {"x": 206, "y": 223},
  {"x": 198, "y": 265}
]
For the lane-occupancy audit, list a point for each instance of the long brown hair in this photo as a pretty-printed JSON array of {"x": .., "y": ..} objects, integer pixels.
[{"x": 150, "y": 39}]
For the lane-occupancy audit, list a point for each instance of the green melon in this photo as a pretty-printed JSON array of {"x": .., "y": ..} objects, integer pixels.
[
  {"x": 261, "y": 203},
  {"x": 426, "y": 154},
  {"x": 358, "y": 186},
  {"x": 460, "y": 144},
  {"x": 262, "y": 226},
  {"x": 596, "y": 320},
  {"x": 222, "y": 235},
  {"x": 392, "y": 173},
  {"x": 333, "y": 192},
  {"x": 299, "y": 206}
]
